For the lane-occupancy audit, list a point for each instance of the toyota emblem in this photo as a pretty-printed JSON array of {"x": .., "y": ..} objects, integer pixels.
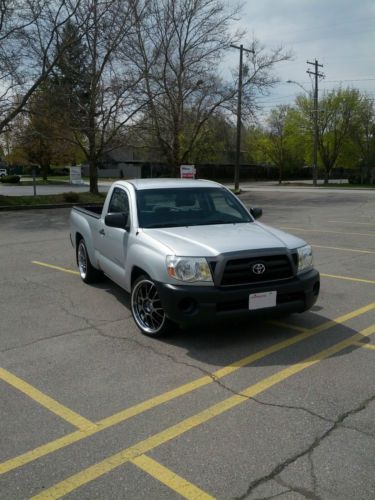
[{"x": 258, "y": 268}]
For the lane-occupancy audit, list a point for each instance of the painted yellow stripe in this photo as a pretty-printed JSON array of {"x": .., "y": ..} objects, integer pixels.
[
  {"x": 137, "y": 409},
  {"x": 366, "y": 346},
  {"x": 351, "y": 223},
  {"x": 358, "y": 280},
  {"x": 170, "y": 479},
  {"x": 97, "y": 470},
  {"x": 324, "y": 231},
  {"x": 343, "y": 249},
  {"x": 281, "y": 324},
  {"x": 46, "y": 401},
  {"x": 57, "y": 268}
]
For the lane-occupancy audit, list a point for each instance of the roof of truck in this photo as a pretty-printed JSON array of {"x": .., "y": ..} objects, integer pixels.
[{"x": 160, "y": 183}]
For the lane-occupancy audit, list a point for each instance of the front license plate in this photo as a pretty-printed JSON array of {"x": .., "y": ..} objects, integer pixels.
[{"x": 262, "y": 300}]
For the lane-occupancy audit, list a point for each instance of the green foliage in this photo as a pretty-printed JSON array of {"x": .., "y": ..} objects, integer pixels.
[
  {"x": 10, "y": 179},
  {"x": 71, "y": 197}
]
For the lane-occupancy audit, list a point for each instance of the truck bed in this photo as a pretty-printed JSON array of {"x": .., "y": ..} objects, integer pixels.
[{"x": 91, "y": 210}]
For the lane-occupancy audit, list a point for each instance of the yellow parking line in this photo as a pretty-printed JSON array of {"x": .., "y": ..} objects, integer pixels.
[
  {"x": 281, "y": 324},
  {"x": 324, "y": 231},
  {"x": 174, "y": 393},
  {"x": 62, "y": 411},
  {"x": 128, "y": 454},
  {"x": 351, "y": 223},
  {"x": 57, "y": 268},
  {"x": 170, "y": 479},
  {"x": 343, "y": 249},
  {"x": 358, "y": 280},
  {"x": 366, "y": 346}
]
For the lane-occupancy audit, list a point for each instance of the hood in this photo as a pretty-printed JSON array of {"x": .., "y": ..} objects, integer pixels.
[{"x": 212, "y": 240}]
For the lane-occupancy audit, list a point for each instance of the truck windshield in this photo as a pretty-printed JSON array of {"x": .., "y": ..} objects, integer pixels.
[{"x": 189, "y": 207}]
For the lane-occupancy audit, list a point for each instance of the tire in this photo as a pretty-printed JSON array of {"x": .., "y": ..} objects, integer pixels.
[
  {"x": 87, "y": 272},
  {"x": 147, "y": 310}
]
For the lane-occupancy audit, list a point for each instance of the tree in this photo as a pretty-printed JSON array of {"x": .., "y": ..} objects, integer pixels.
[
  {"x": 39, "y": 135},
  {"x": 337, "y": 114},
  {"x": 178, "y": 47},
  {"x": 276, "y": 146},
  {"x": 363, "y": 136},
  {"x": 95, "y": 80},
  {"x": 28, "y": 32}
]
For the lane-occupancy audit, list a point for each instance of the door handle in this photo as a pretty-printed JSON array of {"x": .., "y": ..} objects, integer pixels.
[{"x": 101, "y": 231}]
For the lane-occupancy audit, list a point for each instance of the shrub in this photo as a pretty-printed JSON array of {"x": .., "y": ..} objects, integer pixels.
[
  {"x": 60, "y": 171},
  {"x": 71, "y": 197},
  {"x": 10, "y": 179}
]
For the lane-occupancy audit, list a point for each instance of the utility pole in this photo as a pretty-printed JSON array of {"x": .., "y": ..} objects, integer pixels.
[
  {"x": 239, "y": 106},
  {"x": 316, "y": 130}
]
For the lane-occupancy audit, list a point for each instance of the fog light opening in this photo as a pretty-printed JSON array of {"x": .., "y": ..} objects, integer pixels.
[{"x": 187, "y": 305}]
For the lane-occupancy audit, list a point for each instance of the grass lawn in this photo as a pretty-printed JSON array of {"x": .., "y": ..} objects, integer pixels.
[{"x": 53, "y": 199}]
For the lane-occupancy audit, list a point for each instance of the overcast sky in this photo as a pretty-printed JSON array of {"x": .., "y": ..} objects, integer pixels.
[{"x": 340, "y": 34}]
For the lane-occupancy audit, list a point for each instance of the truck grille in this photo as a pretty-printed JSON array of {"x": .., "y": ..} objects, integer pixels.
[{"x": 240, "y": 271}]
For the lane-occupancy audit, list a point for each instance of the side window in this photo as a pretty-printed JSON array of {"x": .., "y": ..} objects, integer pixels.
[{"x": 119, "y": 202}]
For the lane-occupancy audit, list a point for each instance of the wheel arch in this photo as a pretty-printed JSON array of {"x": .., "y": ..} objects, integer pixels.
[{"x": 136, "y": 272}]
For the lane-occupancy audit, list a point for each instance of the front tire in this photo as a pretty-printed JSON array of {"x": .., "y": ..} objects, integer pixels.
[
  {"x": 147, "y": 310},
  {"x": 87, "y": 272}
]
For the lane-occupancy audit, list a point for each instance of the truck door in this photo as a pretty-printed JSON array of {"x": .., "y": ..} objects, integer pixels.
[{"x": 112, "y": 242}]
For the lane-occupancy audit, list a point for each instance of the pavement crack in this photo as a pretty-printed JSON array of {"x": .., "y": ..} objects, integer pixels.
[
  {"x": 364, "y": 433},
  {"x": 274, "y": 496},
  {"x": 43, "y": 339},
  {"x": 176, "y": 361},
  {"x": 81, "y": 329},
  {"x": 310, "y": 495},
  {"x": 307, "y": 451},
  {"x": 291, "y": 407}
]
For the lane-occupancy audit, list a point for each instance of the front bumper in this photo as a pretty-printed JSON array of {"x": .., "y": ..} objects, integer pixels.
[{"x": 189, "y": 305}]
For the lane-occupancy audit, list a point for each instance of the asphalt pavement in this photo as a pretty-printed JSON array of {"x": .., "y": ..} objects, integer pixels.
[{"x": 281, "y": 408}]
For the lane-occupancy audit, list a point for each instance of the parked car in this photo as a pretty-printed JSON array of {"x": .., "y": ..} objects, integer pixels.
[
  {"x": 3, "y": 172},
  {"x": 188, "y": 252}
]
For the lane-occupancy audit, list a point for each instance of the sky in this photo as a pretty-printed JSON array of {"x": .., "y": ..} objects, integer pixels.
[{"x": 340, "y": 34}]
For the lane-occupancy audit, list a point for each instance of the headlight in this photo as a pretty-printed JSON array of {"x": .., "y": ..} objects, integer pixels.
[
  {"x": 305, "y": 258},
  {"x": 188, "y": 268}
]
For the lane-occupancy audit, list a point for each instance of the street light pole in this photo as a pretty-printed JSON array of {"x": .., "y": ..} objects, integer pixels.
[{"x": 239, "y": 110}]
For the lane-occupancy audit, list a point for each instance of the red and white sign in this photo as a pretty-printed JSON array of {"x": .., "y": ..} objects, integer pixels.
[{"x": 187, "y": 171}]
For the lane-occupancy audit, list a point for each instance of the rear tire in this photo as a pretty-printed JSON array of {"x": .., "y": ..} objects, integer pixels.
[
  {"x": 87, "y": 272},
  {"x": 147, "y": 310}
]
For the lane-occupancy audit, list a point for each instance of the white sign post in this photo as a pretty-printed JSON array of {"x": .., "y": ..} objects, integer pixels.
[
  {"x": 75, "y": 175},
  {"x": 187, "y": 171}
]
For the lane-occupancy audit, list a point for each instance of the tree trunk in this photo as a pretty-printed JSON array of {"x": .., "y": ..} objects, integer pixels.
[
  {"x": 93, "y": 175},
  {"x": 326, "y": 176},
  {"x": 44, "y": 165},
  {"x": 93, "y": 165}
]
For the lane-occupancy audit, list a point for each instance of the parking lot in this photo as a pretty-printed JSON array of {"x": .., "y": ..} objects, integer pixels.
[{"x": 281, "y": 408}]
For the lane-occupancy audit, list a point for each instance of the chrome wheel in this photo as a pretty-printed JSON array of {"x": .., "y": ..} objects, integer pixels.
[
  {"x": 146, "y": 307},
  {"x": 82, "y": 259}
]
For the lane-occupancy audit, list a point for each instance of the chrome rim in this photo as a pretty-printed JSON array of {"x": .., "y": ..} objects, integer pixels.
[
  {"x": 146, "y": 307},
  {"x": 82, "y": 260}
]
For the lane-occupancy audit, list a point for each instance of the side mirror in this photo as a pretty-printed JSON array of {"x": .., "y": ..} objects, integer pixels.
[
  {"x": 119, "y": 220},
  {"x": 256, "y": 212}
]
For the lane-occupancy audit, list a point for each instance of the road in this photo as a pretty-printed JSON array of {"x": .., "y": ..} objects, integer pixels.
[
  {"x": 282, "y": 408},
  {"x": 270, "y": 186}
]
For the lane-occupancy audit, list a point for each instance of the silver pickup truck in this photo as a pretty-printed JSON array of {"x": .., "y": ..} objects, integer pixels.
[{"x": 188, "y": 252}]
